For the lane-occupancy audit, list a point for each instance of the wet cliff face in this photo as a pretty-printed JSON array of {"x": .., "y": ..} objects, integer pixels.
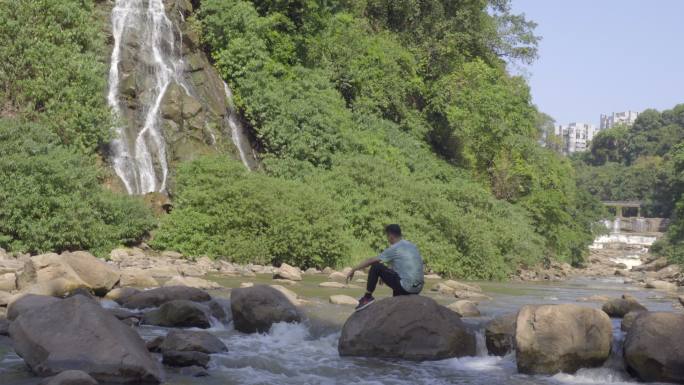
[{"x": 171, "y": 104}]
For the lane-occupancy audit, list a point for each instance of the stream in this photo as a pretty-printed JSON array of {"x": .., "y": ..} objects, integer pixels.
[{"x": 307, "y": 353}]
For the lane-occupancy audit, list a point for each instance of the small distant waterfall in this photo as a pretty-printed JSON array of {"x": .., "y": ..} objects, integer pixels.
[
  {"x": 237, "y": 131},
  {"x": 139, "y": 154}
]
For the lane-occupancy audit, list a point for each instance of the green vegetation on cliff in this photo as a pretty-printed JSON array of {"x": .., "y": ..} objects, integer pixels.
[
  {"x": 53, "y": 199},
  {"x": 380, "y": 111},
  {"x": 53, "y": 117}
]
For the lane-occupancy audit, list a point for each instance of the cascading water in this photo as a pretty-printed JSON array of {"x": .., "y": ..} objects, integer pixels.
[
  {"x": 139, "y": 153},
  {"x": 237, "y": 131}
]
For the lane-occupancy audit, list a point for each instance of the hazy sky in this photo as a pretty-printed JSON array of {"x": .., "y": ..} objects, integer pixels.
[{"x": 600, "y": 56}]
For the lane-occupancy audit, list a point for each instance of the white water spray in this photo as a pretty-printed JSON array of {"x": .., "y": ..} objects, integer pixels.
[
  {"x": 142, "y": 164},
  {"x": 237, "y": 131}
]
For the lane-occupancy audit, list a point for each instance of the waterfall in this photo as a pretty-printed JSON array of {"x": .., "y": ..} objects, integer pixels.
[
  {"x": 139, "y": 153},
  {"x": 237, "y": 131}
]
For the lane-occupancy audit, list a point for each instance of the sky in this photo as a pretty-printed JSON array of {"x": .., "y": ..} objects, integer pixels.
[{"x": 603, "y": 56}]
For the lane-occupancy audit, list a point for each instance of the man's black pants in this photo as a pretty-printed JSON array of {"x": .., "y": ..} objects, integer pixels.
[{"x": 389, "y": 276}]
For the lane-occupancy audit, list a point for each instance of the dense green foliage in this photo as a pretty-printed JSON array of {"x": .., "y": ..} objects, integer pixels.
[
  {"x": 52, "y": 198},
  {"x": 642, "y": 162},
  {"x": 50, "y": 69},
  {"x": 53, "y": 117},
  {"x": 380, "y": 111}
]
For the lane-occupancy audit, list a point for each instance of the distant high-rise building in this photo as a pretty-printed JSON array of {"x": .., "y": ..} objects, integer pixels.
[
  {"x": 626, "y": 118},
  {"x": 576, "y": 137}
]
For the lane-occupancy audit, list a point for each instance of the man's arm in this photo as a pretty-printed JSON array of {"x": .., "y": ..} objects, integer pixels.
[{"x": 361, "y": 266}]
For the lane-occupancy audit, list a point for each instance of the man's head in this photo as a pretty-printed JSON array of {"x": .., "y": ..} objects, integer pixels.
[{"x": 393, "y": 233}]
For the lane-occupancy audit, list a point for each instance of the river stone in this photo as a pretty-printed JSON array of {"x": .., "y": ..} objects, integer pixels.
[
  {"x": 77, "y": 333},
  {"x": 159, "y": 296},
  {"x": 465, "y": 308},
  {"x": 8, "y": 282},
  {"x": 654, "y": 347},
  {"x": 341, "y": 299},
  {"x": 98, "y": 275},
  {"x": 195, "y": 282},
  {"x": 192, "y": 341},
  {"x": 288, "y": 272},
  {"x": 500, "y": 334},
  {"x": 289, "y": 294},
  {"x": 628, "y": 320},
  {"x": 120, "y": 294},
  {"x": 28, "y": 302},
  {"x": 179, "y": 313},
  {"x": 5, "y": 298},
  {"x": 70, "y": 377},
  {"x": 257, "y": 308},
  {"x": 182, "y": 359},
  {"x": 681, "y": 300},
  {"x": 337, "y": 276},
  {"x": 661, "y": 285},
  {"x": 332, "y": 285},
  {"x": 409, "y": 327},
  {"x": 561, "y": 338},
  {"x": 618, "y": 307},
  {"x": 135, "y": 277},
  {"x": 4, "y": 327}
]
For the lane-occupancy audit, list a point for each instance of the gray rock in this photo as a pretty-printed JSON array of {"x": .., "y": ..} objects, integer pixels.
[
  {"x": 28, "y": 302},
  {"x": 257, "y": 308},
  {"x": 628, "y": 320},
  {"x": 4, "y": 327},
  {"x": 173, "y": 358},
  {"x": 159, "y": 296},
  {"x": 154, "y": 345},
  {"x": 70, "y": 377},
  {"x": 654, "y": 347},
  {"x": 76, "y": 333},
  {"x": 618, "y": 307},
  {"x": 465, "y": 308},
  {"x": 408, "y": 327},
  {"x": 192, "y": 341},
  {"x": 179, "y": 313},
  {"x": 500, "y": 334},
  {"x": 561, "y": 338}
]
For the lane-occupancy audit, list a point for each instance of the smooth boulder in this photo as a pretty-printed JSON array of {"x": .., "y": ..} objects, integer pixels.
[
  {"x": 561, "y": 338},
  {"x": 408, "y": 327},
  {"x": 159, "y": 296},
  {"x": 257, "y": 308},
  {"x": 654, "y": 347},
  {"x": 288, "y": 272},
  {"x": 70, "y": 377},
  {"x": 465, "y": 308},
  {"x": 192, "y": 341},
  {"x": 183, "y": 359},
  {"x": 618, "y": 307},
  {"x": 78, "y": 334},
  {"x": 28, "y": 302},
  {"x": 500, "y": 334},
  {"x": 179, "y": 313}
]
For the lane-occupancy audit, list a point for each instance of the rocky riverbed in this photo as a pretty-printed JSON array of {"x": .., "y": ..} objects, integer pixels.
[{"x": 143, "y": 317}]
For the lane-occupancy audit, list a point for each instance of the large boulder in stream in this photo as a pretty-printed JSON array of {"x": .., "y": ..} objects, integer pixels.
[
  {"x": 179, "y": 313},
  {"x": 561, "y": 338},
  {"x": 78, "y": 334},
  {"x": 70, "y": 377},
  {"x": 257, "y": 308},
  {"x": 162, "y": 295},
  {"x": 409, "y": 327},
  {"x": 500, "y": 334},
  {"x": 618, "y": 307},
  {"x": 28, "y": 302},
  {"x": 654, "y": 347},
  {"x": 192, "y": 341}
]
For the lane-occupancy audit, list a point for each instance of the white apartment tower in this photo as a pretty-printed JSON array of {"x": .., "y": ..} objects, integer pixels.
[
  {"x": 626, "y": 118},
  {"x": 576, "y": 136}
]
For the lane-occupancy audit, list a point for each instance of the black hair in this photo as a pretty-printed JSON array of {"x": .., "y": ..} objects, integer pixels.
[{"x": 393, "y": 229}]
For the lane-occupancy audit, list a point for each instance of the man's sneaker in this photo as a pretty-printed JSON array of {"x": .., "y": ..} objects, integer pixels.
[{"x": 364, "y": 302}]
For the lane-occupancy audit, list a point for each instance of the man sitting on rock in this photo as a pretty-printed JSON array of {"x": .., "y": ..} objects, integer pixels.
[{"x": 405, "y": 276}]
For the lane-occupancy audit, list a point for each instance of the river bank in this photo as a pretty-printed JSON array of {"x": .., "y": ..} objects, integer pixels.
[{"x": 306, "y": 352}]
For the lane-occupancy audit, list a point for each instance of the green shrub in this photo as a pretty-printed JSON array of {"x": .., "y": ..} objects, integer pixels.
[
  {"x": 52, "y": 70},
  {"x": 52, "y": 198},
  {"x": 224, "y": 211}
]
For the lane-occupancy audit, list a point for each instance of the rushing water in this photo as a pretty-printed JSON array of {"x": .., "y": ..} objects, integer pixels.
[
  {"x": 139, "y": 154},
  {"x": 237, "y": 131},
  {"x": 307, "y": 353}
]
